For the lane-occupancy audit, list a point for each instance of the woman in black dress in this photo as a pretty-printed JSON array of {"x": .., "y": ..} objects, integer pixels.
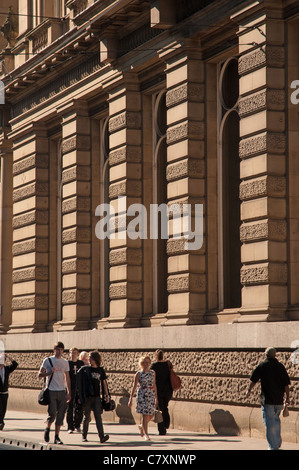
[{"x": 164, "y": 389}]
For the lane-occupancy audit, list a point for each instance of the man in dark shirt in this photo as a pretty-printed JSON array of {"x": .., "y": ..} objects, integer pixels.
[
  {"x": 74, "y": 414},
  {"x": 274, "y": 385},
  {"x": 90, "y": 380}
]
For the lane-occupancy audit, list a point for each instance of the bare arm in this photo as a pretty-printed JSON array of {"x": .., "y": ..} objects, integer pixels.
[
  {"x": 43, "y": 372},
  {"x": 68, "y": 385},
  {"x": 155, "y": 388},
  {"x": 107, "y": 398},
  {"x": 133, "y": 389}
]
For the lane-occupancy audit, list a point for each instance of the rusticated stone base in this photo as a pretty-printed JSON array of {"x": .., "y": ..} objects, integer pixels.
[{"x": 211, "y": 399}]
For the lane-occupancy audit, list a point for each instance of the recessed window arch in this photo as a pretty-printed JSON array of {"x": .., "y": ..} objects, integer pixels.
[
  {"x": 229, "y": 182},
  {"x": 104, "y": 195},
  {"x": 160, "y": 298}
]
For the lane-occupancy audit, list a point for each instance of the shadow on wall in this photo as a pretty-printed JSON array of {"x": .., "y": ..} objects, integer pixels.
[
  {"x": 224, "y": 423},
  {"x": 123, "y": 411}
]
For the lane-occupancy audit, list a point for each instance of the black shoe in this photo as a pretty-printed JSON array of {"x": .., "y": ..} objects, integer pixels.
[
  {"x": 84, "y": 439},
  {"x": 57, "y": 440},
  {"x": 47, "y": 434},
  {"x": 104, "y": 438}
]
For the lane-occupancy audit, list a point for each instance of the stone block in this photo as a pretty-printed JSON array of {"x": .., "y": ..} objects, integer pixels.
[
  {"x": 263, "y": 251},
  {"x": 263, "y": 207},
  {"x": 185, "y": 303},
  {"x": 185, "y": 149},
  {"x": 255, "y": 166}
]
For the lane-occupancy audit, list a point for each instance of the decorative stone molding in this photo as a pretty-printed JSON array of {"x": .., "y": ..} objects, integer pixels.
[
  {"x": 33, "y": 161},
  {"x": 263, "y": 274},
  {"x": 36, "y": 216},
  {"x": 123, "y": 290},
  {"x": 76, "y": 266},
  {"x": 266, "y": 99},
  {"x": 127, "y": 119},
  {"x": 37, "y": 244},
  {"x": 176, "y": 246},
  {"x": 125, "y": 154},
  {"x": 125, "y": 188},
  {"x": 79, "y": 234},
  {"x": 187, "y": 282},
  {"x": 76, "y": 203},
  {"x": 185, "y": 130},
  {"x": 191, "y": 167},
  {"x": 273, "y": 56},
  {"x": 251, "y": 61},
  {"x": 266, "y": 142},
  {"x": 125, "y": 256},
  {"x": 76, "y": 173},
  {"x": 38, "y": 273},
  {"x": 34, "y": 189},
  {"x": 33, "y": 301},
  {"x": 186, "y": 92},
  {"x": 274, "y": 186},
  {"x": 275, "y": 230},
  {"x": 76, "y": 296},
  {"x": 69, "y": 144}
]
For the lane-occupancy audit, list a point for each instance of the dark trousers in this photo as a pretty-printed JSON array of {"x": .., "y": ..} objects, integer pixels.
[
  {"x": 93, "y": 404},
  {"x": 163, "y": 400},
  {"x": 74, "y": 414},
  {"x": 3, "y": 406}
]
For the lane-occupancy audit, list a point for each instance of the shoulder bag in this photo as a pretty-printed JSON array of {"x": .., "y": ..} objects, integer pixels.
[
  {"x": 44, "y": 395},
  {"x": 175, "y": 380}
]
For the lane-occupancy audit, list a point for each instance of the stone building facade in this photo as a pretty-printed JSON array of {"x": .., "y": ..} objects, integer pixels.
[{"x": 152, "y": 102}]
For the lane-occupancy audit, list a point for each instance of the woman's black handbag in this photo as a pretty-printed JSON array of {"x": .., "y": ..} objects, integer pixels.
[{"x": 44, "y": 395}]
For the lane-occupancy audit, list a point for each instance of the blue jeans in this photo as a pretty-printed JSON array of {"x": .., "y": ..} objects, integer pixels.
[{"x": 272, "y": 422}]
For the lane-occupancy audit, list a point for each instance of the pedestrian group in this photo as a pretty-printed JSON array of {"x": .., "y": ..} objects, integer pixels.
[{"x": 78, "y": 386}]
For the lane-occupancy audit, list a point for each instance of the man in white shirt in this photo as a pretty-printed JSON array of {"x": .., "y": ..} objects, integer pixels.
[{"x": 58, "y": 381}]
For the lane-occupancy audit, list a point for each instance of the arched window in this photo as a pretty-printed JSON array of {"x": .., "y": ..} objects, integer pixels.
[
  {"x": 229, "y": 182},
  {"x": 104, "y": 248},
  {"x": 160, "y": 298}
]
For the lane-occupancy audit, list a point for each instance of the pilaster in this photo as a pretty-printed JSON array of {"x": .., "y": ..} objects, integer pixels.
[
  {"x": 125, "y": 189},
  {"x": 5, "y": 227},
  {"x": 262, "y": 151},
  {"x": 30, "y": 223},
  {"x": 75, "y": 217},
  {"x": 185, "y": 174}
]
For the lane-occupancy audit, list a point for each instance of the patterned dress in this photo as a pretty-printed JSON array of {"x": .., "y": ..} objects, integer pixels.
[{"x": 145, "y": 400}]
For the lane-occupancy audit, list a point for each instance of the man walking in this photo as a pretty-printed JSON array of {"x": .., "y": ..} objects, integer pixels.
[
  {"x": 74, "y": 415},
  {"x": 57, "y": 368},
  {"x": 274, "y": 385},
  {"x": 5, "y": 371}
]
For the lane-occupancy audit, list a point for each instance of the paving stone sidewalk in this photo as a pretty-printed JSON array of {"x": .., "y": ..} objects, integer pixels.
[{"x": 25, "y": 430}]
